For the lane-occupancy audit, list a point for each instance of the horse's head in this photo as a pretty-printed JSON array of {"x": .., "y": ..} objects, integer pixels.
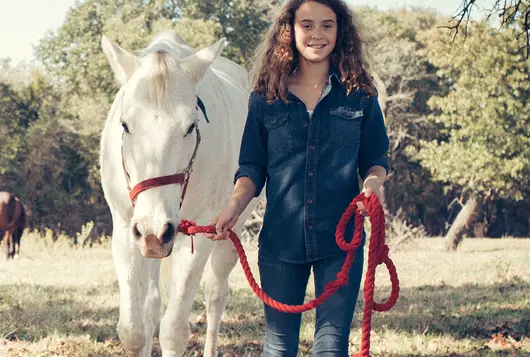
[{"x": 157, "y": 107}]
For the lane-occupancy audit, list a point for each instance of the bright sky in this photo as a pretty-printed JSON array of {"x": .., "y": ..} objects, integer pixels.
[{"x": 24, "y": 22}]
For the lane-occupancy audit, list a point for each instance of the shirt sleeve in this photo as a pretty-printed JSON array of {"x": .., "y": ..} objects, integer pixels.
[
  {"x": 374, "y": 139},
  {"x": 253, "y": 151}
]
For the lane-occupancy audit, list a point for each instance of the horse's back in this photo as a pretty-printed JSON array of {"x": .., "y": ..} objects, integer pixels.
[
  {"x": 232, "y": 73},
  {"x": 5, "y": 197}
]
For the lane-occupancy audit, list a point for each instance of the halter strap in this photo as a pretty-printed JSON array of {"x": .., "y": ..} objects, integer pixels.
[
  {"x": 180, "y": 178},
  {"x": 200, "y": 104}
]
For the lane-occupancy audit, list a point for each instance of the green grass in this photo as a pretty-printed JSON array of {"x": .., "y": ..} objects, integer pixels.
[{"x": 58, "y": 300}]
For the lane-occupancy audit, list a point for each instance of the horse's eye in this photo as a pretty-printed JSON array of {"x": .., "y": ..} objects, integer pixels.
[
  {"x": 125, "y": 127},
  {"x": 190, "y": 130}
]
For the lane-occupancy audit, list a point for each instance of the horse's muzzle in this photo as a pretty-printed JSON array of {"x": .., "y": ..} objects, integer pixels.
[{"x": 153, "y": 247}]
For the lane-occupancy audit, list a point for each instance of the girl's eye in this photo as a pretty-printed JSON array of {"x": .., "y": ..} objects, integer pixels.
[
  {"x": 306, "y": 26},
  {"x": 125, "y": 127},
  {"x": 190, "y": 130}
]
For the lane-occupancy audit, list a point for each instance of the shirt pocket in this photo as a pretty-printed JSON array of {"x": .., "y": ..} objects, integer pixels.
[
  {"x": 345, "y": 126},
  {"x": 279, "y": 133}
]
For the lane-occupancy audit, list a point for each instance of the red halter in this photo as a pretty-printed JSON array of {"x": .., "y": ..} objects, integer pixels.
[{"x": 180, "y": 178}]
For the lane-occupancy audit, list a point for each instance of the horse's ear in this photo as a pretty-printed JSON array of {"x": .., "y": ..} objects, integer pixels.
[
  {"x": 196, "y": 65},
  {"x": 123, "y": 63}
]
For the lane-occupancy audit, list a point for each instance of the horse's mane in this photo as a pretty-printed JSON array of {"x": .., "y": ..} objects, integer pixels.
[
  {"x": 158, "y": 80},
  {"x": 161, "y": 54}
]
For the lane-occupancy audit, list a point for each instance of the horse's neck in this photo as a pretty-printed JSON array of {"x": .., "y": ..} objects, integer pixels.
[
  {"x": 211, "y": 182},
  {"x": 211, "y": 179}
]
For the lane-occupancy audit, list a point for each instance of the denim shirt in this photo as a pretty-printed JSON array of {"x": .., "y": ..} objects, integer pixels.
[{"x": 310, "y": 166}]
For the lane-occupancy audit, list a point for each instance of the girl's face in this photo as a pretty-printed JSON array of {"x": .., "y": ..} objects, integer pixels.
[{"x": 315, "y": 31}]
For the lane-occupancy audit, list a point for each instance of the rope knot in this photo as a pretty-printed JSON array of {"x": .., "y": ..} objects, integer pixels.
[
  {"x": 342, "y": 277},
  {"x": 185, "y": 226}
]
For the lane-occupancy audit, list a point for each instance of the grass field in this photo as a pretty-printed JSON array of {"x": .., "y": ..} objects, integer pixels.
[{"x": 58, "y": 300}]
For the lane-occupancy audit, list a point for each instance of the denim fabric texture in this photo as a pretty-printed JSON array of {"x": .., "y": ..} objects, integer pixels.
[
  {"x": 310, "y": 166},
  {"x": 287, "y": 282}
]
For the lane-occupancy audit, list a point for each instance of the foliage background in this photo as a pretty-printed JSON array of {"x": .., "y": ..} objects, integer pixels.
[{"x": 457, "y": 112}]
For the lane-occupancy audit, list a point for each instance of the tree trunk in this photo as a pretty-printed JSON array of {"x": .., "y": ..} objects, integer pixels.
[{"x": 462, "y": 221}]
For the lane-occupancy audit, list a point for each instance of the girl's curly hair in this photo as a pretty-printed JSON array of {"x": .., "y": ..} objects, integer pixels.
[{"x": 277, "y": 57}]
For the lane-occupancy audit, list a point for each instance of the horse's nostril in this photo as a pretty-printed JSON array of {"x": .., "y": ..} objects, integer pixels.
[
  {"x": 168, "y": 232},
  {"x": 136, "y": 232}
]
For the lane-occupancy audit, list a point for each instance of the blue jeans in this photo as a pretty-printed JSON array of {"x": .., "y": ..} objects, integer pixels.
[{"x": 287, "y": 282}]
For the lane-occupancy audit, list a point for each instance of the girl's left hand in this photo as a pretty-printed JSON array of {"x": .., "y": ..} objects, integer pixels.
[{"x": 370, "y": 185}]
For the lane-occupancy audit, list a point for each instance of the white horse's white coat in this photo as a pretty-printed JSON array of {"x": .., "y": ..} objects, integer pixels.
[{"x": 157, "y": 103}]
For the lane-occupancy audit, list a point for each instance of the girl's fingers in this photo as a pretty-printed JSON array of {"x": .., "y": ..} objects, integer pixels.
[
  {"x": 381, "y": 197},
  {"x": 362, "y": 209},
  {"x": 220, "y": 227}
]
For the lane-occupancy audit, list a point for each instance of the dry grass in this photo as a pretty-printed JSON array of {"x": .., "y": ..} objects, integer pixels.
[{"x": 57, "y": 300}]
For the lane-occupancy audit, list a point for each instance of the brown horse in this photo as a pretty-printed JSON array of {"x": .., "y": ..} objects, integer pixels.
[{"x": 12, "y": 222}]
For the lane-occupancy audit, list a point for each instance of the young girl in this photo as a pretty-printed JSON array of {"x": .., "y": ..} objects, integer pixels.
[{"x": 314, "y": 125}]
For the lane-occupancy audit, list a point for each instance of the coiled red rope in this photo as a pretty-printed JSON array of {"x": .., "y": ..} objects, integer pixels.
[{"x": 377, "y": 254}]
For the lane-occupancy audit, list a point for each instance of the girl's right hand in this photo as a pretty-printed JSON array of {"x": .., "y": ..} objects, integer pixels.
[{"x": 225, "y": 220}]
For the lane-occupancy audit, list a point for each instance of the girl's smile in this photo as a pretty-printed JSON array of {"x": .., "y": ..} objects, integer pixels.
[{"x": 318, "y": 47}]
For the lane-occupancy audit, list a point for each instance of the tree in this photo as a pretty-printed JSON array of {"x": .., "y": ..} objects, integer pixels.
[
  {"x": 484, "y": 146},
  {"x": 41, "y": 159},
  {"x": 243, "y": 22},
  {"x": 12, "y": 118}
]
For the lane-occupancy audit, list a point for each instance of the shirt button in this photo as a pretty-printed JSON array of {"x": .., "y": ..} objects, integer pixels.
[
  {"x": 309, "y": 201},
  {"x": 274, "y": 121},
  {"x": 306, "y": 123},
  {"x": 310, "y": 227},
  {"x": 310, "y": 173},
  {"x": 312, "y": 147}
]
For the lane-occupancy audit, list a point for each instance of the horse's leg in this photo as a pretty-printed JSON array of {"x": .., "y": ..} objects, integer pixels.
[
  {"x": 7, "y": 244},
  {"x": 222, "y": 261},
  {"x": 17, "y": 239},
  {"x": 135, "y": 276},
  {"x": 2, "y": 233},
  {"x": 10, "y": 244},
  {"x": 186, "y": 272},
  {"x": 152, "y": 303},
  {"x": 21, "y": 231}
]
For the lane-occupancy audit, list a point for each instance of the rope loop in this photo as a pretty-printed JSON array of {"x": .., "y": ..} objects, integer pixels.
[{"x": 378, "y": 253}]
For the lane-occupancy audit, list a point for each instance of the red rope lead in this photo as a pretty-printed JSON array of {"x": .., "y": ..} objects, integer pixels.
[{"x": 377, "y": 254}]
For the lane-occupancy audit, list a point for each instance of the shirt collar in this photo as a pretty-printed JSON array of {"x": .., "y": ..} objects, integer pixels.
[{"x": 334, "y": 74}]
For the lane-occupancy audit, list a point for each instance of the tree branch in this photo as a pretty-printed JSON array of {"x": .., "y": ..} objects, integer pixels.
[
  {"x": 507, "y": 10},
  {"x": 463, "y": 14}
]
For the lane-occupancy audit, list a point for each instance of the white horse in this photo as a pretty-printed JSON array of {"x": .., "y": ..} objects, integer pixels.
[{"x": 154, "y": 130}]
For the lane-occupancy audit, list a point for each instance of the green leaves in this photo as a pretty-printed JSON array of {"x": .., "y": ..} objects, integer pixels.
[{"x": 484, "y": 117}]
